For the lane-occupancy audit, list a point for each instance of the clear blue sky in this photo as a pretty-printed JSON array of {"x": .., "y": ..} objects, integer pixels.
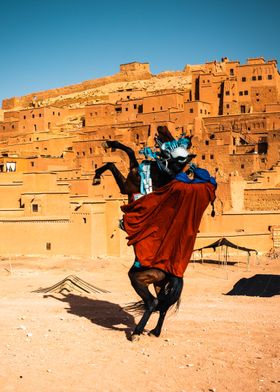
[{"x": 53, "y": 43}]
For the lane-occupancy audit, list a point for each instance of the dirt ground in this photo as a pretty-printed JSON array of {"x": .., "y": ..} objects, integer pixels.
[{"x": 80, "y": 342}]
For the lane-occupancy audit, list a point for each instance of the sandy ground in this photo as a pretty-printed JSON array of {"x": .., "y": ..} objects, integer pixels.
[{"x": 73, "y": 343}]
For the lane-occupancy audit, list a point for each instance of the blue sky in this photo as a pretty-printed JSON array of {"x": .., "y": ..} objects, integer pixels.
[{"x": 56, "y": 43}]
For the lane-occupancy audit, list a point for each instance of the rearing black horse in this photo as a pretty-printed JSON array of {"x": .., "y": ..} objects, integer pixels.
[{"x": 162, "y": 170}]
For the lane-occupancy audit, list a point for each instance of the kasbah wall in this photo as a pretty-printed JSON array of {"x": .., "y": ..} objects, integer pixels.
[{"x": 51, "y": 143}]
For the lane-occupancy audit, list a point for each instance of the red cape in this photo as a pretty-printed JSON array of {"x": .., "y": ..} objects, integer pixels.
[{"x": 162, "y": 226}]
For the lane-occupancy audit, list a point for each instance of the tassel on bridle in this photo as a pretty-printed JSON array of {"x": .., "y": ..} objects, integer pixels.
[{"x": 213, "y": 212}]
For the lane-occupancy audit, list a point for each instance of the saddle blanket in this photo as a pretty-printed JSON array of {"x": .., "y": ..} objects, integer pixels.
[{"x": 162, "y": 226}]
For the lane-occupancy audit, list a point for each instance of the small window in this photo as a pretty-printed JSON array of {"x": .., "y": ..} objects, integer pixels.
[
  {"x": 134, "y": 106},
  {"x": 58, "y": 113},
  {"x": 90, "y": 150},
  {"x": 40, "y": 114},
  {"x": 240, "y": 92},
  {"x": 243, "y": 79},
  {"x": 211, "y": 156},
  {"x": 48, "y": 246},
  {"x": 227, "y": 105},
  {"x": 254, "y": 78},
  {"x": 53, "y": 113},
  {"x": 203, "y": 157},
  {"x": 153, "y": 109},
  {"x": 35, "y": 208},
  {"x": 85, "y": 220},
  {"x": 243, "y": 109},
  {"x": 24, "y": 117},
  {"x": 191, "y": 110},
  {"x": 246, "y": 92},
  {"x": 207, "y": 142},
  {"x": 227, "y": 92},
  {"x": 260, "y": 77},
  {"x": 269, "y": 77},
  {"x": 231, "y": 72},
  {"x": 242, "y": 166},
  {"x": 33, "y": 115}
]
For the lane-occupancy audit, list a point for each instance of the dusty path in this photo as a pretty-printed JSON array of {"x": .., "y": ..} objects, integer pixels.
[{"x": 76, "y": 343}]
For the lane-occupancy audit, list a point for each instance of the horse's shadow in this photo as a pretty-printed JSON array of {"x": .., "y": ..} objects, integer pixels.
[
  {"x": 104, "y": 313},
  {"x": 260, "y": 285}
]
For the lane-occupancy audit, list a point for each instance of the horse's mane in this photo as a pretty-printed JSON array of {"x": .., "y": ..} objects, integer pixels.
[{"x": 163, "y": 134}]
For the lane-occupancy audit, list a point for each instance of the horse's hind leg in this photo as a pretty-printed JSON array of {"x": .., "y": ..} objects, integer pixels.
[
  {"x": 157, "y": 330},
  {"x": 168, "y": 295},
  {"x": 140, "y": 280}
]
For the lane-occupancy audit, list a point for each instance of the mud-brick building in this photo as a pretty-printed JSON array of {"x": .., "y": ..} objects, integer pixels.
[
  {"x": 52, "y": 142},
  {"x": 234, "y": 88},
  {"x": 38, "y": 216}
]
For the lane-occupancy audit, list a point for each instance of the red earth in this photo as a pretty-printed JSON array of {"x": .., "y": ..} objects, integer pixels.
[{"x": 80, "y": 342}]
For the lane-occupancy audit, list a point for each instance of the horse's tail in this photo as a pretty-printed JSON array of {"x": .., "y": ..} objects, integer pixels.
[{"x": 171, "y": 294}]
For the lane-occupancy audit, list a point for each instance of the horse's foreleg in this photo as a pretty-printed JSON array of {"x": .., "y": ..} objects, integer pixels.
[
  {"x": 119, "y": 178},
  {"x": 115, "y": 145}
]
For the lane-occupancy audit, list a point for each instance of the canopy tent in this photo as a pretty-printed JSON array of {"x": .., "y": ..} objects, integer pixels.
[
  {"x": 224, "y": 242},
  {"x": 227, "y": 244}
]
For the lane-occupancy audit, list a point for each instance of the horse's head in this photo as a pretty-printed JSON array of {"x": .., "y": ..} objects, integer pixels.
[{"x": 173, "y": 153}]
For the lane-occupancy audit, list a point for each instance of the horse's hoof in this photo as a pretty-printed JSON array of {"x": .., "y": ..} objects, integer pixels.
[
  {"x": 154, "y": 333},
  {"x": 96, "y": 181},
  {"x": 105, "y": 145},
  {"x": 134, "y": 337}
]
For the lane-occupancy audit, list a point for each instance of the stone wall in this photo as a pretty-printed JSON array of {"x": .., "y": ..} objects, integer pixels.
[
  {"x": 262, "y": 199},
  {"x": 276, "y": 236},
  {"x": 140, "y": 72}
]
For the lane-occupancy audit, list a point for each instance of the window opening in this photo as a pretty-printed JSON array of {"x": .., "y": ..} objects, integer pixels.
[{"x": 35, "y": 207}]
